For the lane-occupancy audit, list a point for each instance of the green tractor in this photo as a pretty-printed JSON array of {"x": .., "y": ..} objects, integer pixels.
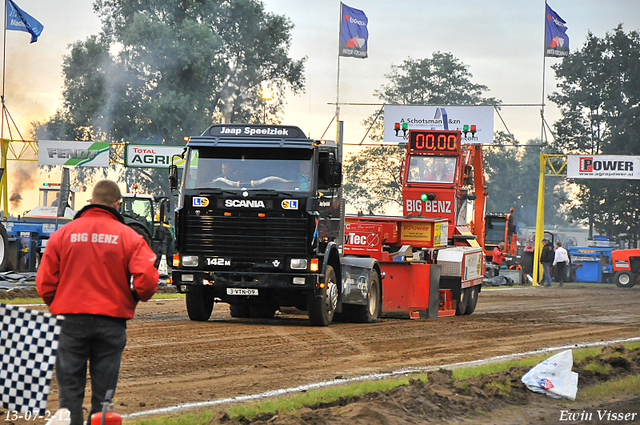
[{"x": 148, "y": 216}]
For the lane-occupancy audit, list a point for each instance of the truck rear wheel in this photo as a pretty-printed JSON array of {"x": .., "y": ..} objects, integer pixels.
[
  {"x": 472, "y": 299},
  {"x": 370, "y": 312},
  {"x": 463, "y": 301},
  {"x": 4, "y": 245},
  {"x": 624, "y": 279},
  {"x": 199, "y": 304},
  {"x": 322, "y": 309}
]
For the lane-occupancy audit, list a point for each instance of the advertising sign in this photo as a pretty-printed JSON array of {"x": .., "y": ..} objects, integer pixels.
[
  {"x": 152, "y": 156},
  {"x": 418, "y": 233},
  {"x": 474, "y": 122},
  {"x": 70, "y": 154},
  {"x": 603, "y": 167}
]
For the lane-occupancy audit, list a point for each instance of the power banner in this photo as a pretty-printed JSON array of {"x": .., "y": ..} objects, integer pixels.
[
  {"x": 78, "y": 154},
  {"x": 603, "y": 167},
  {"x": 353, "y": 33},
  {"x": 475, "y": 122},
  {"x": 152, "y": 156}
]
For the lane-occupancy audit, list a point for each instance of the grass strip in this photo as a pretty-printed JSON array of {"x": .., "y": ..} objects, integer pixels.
[{"x": 291, "y": 403}]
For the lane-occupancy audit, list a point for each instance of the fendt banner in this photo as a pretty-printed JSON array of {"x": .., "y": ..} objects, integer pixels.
[
  {"x": 73, "y": 154},
  {"x": 152, "y": 156},
  {"x": 603, "y": 167},
  {"x": 475, "y": 122}
]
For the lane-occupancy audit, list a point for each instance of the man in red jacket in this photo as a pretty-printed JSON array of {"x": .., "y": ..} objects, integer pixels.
[{"x": 94, "y": 271}]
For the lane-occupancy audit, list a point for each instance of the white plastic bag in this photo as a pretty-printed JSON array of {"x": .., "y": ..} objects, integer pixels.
[{"x": 554, "y": 377}]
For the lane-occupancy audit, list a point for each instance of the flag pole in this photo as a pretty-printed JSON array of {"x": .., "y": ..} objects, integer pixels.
[
  {"x": 338, "y": 79},
  {"x": 4, "y": 58},
  {"x": 4, "y": 197},
  {"x": 544, "y": 71}
]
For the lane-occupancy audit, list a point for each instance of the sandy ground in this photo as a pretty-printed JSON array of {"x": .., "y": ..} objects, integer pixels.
[{"x": 170, "y": 360}]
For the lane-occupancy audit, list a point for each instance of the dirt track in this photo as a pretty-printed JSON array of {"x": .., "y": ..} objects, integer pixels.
[{"x": 170, "y": 360}]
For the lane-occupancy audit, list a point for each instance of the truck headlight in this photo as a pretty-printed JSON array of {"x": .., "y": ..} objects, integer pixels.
[
  {"x": 187, "y": 278},
  {"x": 190, "y": 260},
  {"x": 298, "y": 263}
]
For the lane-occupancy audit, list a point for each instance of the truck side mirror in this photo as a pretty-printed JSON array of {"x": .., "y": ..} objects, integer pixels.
[
  {"x": 173, "y": 177},
  {"x": 335, "y": 174}
]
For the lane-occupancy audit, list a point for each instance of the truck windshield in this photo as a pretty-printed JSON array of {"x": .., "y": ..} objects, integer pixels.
[
  {"x": 430, "y": 169},
  {"x": 494, "y": 231},
  {"x": 269, "y": 169}
]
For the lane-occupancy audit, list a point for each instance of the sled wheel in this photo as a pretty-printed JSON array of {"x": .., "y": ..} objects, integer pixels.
[
  {"x": 463, "y": 300},
  {"x": 472, "y": 301}
]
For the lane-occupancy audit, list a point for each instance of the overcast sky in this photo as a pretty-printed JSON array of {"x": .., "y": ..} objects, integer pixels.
[{"x": 500, "y": 40}]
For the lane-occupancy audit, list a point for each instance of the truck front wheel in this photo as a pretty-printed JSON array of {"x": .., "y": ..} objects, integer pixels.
[
  {"x": 199, "y": 304},
  {"x": 322, "y": 309},
  {"x": 624, "y": 279}
]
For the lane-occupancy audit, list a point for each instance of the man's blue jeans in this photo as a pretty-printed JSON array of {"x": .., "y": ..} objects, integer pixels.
[
  {"x": 99, "y": 340},
  {"x": 546, "y": 275}
]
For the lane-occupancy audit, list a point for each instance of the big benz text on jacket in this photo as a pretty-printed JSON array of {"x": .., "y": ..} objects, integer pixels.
[{"x": 70, "y": 281}]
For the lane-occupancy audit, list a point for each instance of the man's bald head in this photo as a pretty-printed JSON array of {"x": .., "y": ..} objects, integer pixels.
[{"x": 106, "y": 192}]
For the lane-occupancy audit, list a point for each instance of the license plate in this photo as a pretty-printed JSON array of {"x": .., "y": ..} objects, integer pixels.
[{"x": 241, "y": 291}]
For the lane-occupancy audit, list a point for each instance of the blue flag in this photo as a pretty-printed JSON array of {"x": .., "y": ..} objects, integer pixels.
[
  {"x": 353, "y": 32},
  {"x": 19, "y": 20},
  {"x": 556, "y": 40}
]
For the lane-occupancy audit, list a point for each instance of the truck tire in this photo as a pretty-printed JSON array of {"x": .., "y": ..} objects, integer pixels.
[
  {"x": 4, "y": 247},
  {"x": 472, "y": 300},
  {"x": 463, "y": 301},
  {"x": 239, "y": 310},
  {"x": 624, "y": 279},
  {"x": 199, "y": 304},
  {"x": 142, "y": 231},
  {"x": 322, "y": 309},
  {"x": 370, "y": 312}
]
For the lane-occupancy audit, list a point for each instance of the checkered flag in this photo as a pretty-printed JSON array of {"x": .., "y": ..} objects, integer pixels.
[{"x": 28, "y": 344}]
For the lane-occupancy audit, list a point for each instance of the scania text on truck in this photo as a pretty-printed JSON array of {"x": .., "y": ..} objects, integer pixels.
[{"x": 259, "y": 225}]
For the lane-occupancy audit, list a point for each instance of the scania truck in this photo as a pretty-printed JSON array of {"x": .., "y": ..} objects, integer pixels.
[{"x": 260, "y": 225}]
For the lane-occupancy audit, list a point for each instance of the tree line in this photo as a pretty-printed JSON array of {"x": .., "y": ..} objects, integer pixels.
[{"x": 160, "y": 70}]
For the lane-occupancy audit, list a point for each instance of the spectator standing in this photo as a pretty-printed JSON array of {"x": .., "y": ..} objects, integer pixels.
[
  {"x": 560, "y": 260},
  {"x": 498, "y": 256},
  {"x": 94, "y": 271},
  {"x": 546, "y": 258}
]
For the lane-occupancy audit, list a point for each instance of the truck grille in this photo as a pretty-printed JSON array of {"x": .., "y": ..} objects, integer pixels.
[{"x": 246, "y": 238}]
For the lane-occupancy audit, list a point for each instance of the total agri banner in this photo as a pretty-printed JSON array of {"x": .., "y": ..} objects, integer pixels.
[
  {"x": 73, "y": 154},
  {"x": 603, "y": 167},
  {"x": 152, "y": 156},
  {"x": 475, "y": 122}
]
